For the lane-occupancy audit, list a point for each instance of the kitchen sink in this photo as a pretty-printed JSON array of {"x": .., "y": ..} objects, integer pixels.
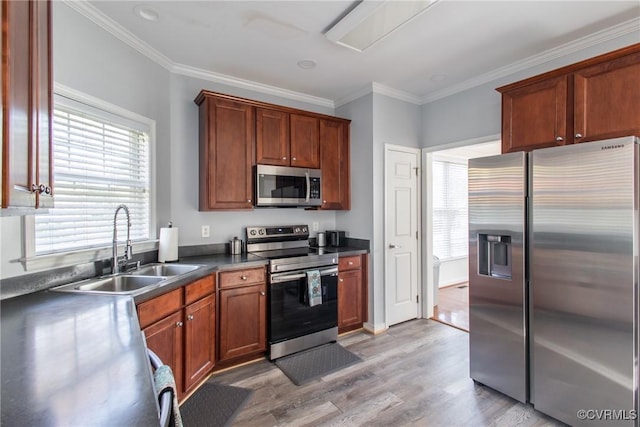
[
  {"x": 133, "y": 282},
  {"x": 120, "y": 284},
  {"x": 163, "y": 270}
]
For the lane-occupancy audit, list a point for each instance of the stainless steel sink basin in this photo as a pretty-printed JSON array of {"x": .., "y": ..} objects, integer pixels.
[
  {"x": 164, "y": 270},
  {"x": 134, "y": 282},
  {"x": 121, "y": 284}
]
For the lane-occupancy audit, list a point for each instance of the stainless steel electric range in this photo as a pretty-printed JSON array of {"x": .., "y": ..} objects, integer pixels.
[{"x": 294, "y": 323}]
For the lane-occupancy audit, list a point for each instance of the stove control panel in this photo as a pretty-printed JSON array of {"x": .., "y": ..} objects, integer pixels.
[{"x": 277, "y": 233}]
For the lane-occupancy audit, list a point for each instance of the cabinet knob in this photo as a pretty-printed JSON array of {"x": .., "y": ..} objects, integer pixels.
[
  {"x": 350, "y": 262},
  {"x": 243, "y": 277},
  {"x": 342, "y": 280},
  {"x": 324, "y": 201},
  {"x": 248, "y": 200},
  {"x": 284, "y": 158},
  {"x": 559, "y": 138},
  {"x": 190, "y": 317},
  {"x": 263, "y": 293},
  {"x": 179, "y": 324},
  {"x": 293, "y": 158},
  {"x": 578, "y": 135}
]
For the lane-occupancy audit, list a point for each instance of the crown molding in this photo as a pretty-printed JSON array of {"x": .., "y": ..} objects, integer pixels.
[
  {"x": 612, "y": 33},
  {"x": 96, "y": 16},
  {"x": 103, "y": 21},
  {"x": 380, "y": 89},
  {"x": 112, "y": 27},
  {"x": 199, "y": 73}
]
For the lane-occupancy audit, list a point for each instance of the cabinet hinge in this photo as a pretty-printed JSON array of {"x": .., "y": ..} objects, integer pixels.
[
  {"x": 417, "y": 299},
  {"x": 417, "y": 171},
  {"x": 416, "y": 235}
]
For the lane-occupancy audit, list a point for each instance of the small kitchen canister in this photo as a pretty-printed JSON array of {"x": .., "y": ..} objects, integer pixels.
[
  {"x": 235, "y": 246},
  {"x": 321, "y": 239}
]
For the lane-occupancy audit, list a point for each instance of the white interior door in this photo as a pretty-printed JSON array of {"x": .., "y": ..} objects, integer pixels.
[{"x": 401, "y": 233}]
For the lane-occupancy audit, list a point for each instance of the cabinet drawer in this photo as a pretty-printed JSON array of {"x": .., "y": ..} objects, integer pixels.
[
  {"x": 228, "y": 279},
  {"x": 198, "y": 289},
  {"x": 157, "y": 308},
  {"x": 349, "y": 263}
]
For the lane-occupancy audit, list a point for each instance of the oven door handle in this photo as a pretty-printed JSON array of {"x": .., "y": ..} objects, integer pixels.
[{"x": 286, "y": 277}]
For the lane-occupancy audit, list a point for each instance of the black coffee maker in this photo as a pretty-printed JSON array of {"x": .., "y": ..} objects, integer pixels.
[{"x": 336, "y": 238}]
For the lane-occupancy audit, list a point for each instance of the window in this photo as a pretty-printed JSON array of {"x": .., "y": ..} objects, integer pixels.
[
  {"x": 450, "y": 228},
  {"x": 101, "y": 160}
]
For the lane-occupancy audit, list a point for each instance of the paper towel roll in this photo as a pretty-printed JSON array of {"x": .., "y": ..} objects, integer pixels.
[{"x": 168, "y": 250}]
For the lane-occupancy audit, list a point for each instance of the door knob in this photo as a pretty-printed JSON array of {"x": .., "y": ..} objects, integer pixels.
[{"x": 392, "y": 246}]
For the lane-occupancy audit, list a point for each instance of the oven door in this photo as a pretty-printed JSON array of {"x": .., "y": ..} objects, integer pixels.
[
  {"x": 290, "y": 315},
  {"x": 287, "y": 186}
]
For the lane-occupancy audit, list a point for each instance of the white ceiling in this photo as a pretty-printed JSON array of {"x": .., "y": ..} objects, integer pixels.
[{"x": 448, "y": 48}]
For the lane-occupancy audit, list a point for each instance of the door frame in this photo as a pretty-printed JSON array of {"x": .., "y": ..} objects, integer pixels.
[
  {"x": 429, "y": 290},
  {"x": 417, "y": 153}
]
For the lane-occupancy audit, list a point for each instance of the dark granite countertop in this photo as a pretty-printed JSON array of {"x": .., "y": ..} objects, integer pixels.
[
  {"x": 78, "y": 359},
  {"x": 74, "y": 360}
]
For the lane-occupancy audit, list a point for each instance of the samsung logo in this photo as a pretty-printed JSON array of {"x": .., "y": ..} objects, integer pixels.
[{"x": 612, "y": 147}]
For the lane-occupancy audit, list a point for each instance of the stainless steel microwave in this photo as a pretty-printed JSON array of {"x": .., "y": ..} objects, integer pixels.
[{"x": 287, "y": 186}]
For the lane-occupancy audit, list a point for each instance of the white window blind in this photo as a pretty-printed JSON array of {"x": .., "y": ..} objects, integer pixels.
[
  {"x": 450, "y": 235},
  {"x": 100, "y": 161}
]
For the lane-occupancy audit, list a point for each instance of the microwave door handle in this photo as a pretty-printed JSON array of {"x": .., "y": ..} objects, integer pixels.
[{"x": 306, "y": 175}]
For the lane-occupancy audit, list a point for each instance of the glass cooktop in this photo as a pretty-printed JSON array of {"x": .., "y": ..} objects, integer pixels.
[{"x": 290, "y": 252}]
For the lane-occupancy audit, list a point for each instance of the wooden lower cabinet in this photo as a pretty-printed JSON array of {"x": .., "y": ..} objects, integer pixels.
[
  {"x": 351, "y": 293},
  {"x": 199, "y": 343},
  {"x": 179, "y": 327},
  {"x": 165, "y": 339},
  {"x": 243, "y": 321}
]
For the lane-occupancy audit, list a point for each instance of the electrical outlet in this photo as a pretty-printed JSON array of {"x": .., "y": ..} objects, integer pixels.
[
  {"x": 314, "y": 225},
  {"x": 205, "y": 231}
]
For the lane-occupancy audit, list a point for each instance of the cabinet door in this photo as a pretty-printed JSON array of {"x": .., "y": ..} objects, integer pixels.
[
  {"x": 272, "y": 137},
  {"x": 349, "y": 299},
  {"x": 243, "y": 323},
  {"x": 305, "y": 141},
  {"x": 199, "y": 347},
  {"x": 26, "y": 104},
  {"x": 535, "y": 116},
  {"x": 607, "y": 98},
  {"x": 334, "y": 162},
  {"x": 227, "y": 138},
  {"x": 165, "y": 339}
]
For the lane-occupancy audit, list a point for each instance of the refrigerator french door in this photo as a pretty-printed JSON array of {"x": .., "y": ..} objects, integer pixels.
[
  {"x": 553, "y": 299},
  {"x": 497, "y": 282},
  {"x": 584, "y": 282}
]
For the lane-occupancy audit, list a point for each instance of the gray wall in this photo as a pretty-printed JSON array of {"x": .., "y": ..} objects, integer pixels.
[
  {"x": 92, "y": 61},
  {"x": 376, "y": 120},
  {"x": 476, "y": 113}
]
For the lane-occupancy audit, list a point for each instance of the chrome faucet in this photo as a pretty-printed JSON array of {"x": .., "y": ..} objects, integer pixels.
[{"x": 117, "y": 263}]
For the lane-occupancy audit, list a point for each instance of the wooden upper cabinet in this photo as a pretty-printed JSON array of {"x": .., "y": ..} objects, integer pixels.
[
  {"x": 27, "y": 180},
  {"x": 272, "y": 137},
  {"x": 591, "y": 100},
  {"x": 227, "y": 141},
  {"x": 334, "y": 162},
  {"x": 607, "y": 99},
  {"x": 535, "y": 116},
  {"x": 305, "y": 141}
]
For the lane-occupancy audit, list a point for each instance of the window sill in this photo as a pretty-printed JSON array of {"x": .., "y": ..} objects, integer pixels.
[{"x": 65, "y": 259}]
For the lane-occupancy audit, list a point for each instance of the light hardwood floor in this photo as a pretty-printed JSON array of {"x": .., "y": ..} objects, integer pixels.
[
  {"x": 453, "y": 306},
  {"x": 415, "y": 374}
]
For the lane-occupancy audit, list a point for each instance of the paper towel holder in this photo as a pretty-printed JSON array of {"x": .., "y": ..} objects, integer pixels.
[{"x": 168, "y": 245}]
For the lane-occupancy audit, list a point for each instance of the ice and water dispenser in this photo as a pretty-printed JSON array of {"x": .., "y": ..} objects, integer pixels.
[{"x": 494, "y": 255}]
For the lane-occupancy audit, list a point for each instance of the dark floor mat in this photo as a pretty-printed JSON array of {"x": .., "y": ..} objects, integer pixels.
[
  {"x": 316, "y": 362},
  {"x": 214, "y": 405}
]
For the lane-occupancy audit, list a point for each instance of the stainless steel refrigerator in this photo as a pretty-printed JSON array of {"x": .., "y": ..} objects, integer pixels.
[{"x": 553, "y": 279}]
